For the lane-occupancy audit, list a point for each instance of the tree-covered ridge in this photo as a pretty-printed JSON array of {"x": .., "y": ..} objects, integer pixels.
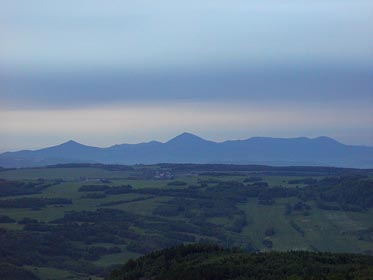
[{"x": 208, "y": 262}]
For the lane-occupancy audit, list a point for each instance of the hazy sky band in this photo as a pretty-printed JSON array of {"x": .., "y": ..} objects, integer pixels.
[{"x": 105, "y": 126}]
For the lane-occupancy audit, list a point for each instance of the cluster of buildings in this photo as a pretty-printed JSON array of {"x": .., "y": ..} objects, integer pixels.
[{"x": 163, "y": 175}]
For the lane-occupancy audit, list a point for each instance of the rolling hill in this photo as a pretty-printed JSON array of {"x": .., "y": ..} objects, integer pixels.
[{"x": 189, "y": 148}]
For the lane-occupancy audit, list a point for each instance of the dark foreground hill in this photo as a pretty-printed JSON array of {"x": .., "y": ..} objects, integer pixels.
[
  {"x": 12, "y": 272},
  {"x": 189, "y": 148},
  {"x": 210, "y": 262}
]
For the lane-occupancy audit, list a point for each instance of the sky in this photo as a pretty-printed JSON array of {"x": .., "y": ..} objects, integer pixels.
[{"x": 109, "y": 72}]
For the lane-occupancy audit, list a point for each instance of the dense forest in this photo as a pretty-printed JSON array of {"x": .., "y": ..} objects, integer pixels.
[{"x": 211, "y": 262}]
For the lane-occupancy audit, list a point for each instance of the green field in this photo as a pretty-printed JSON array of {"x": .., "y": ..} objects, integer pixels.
[{"x": 231, "y": 208}]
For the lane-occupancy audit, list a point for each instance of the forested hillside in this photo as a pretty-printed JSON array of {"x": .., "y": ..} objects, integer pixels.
[{"x": 210, "y": 262}]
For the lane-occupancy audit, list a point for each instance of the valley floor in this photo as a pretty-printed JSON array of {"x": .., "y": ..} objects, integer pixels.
[{"x": 80, "y": 221}]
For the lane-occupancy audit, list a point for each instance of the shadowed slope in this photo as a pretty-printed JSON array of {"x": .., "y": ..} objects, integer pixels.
[{"x": 189, "y": 148}]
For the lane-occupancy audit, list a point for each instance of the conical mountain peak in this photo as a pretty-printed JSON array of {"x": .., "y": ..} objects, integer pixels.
[
  {"x": 186, "y": 137},
  {"x": 70, "y": 143}
]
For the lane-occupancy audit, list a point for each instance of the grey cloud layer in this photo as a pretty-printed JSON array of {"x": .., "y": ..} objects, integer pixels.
[{"x": 277, "y": 85}]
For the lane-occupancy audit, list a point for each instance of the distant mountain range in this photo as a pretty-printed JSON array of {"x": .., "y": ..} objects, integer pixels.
[{"x": 189, "y": 148}]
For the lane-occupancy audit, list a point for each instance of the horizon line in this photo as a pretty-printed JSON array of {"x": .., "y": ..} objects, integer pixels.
[{"x": 187, "y": 134}]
